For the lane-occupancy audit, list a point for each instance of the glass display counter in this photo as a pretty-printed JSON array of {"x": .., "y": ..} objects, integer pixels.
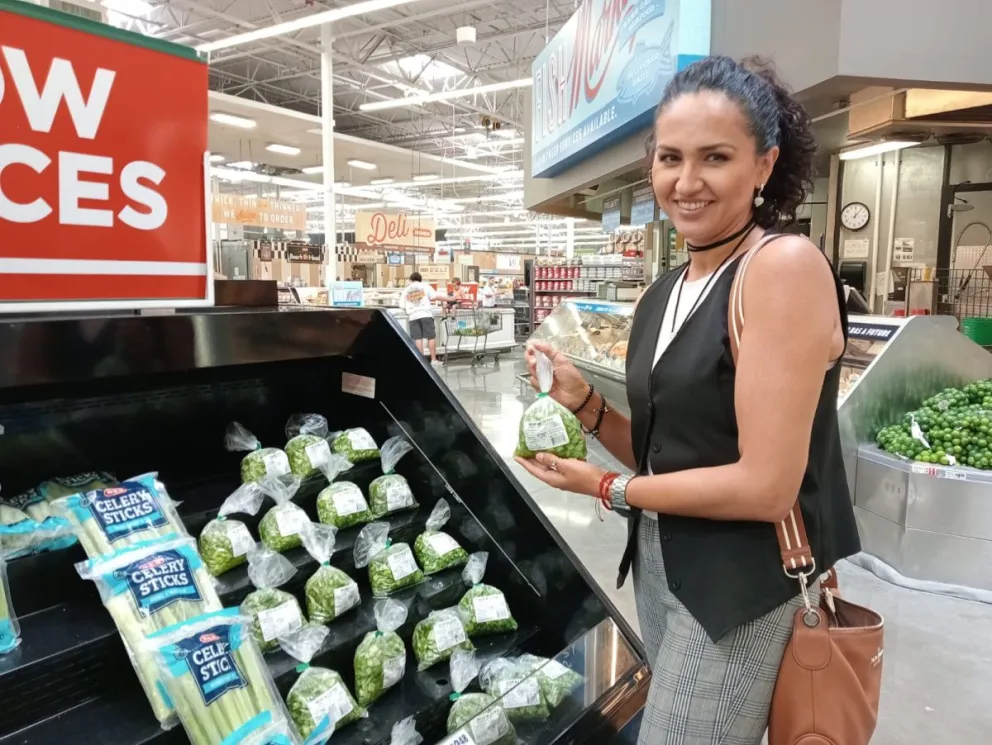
[{"x": 74, "y": 398}]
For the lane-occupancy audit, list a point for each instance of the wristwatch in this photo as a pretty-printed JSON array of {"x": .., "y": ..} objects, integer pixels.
[{"x": 618, "y": 494}]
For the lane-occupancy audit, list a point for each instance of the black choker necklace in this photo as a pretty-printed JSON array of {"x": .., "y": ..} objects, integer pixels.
[{"x": 722, "y": 241}]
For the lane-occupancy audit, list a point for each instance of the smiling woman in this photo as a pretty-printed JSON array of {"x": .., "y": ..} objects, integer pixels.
[{"x": 733, "y": 424}]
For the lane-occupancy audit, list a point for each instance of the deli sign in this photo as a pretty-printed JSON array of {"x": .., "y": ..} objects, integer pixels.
[
  {"x": 601, "y": 76},
  {"x": 394, "y": 231},
  {"x": 103, "y": 137}
]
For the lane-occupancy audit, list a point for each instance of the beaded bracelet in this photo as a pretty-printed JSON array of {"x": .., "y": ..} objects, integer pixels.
[{"x": 588, "y": 398}]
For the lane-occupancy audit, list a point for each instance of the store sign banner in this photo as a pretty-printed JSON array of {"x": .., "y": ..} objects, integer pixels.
[
  {"x": 394, "y": 231},
  {"x": 103, "y": 193},
  {"x": 304, "y": 253},
  {"x": 611, "y": 214},
  {"x": 347, "y": 294},
  {"x": 262, "y": 213},
  {"x": 601, "y": 76},
  {"x": 644, "y": 208}
]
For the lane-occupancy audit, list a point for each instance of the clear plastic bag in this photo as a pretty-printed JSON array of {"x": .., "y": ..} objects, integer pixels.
[
  {"x": 146, "y": 589},
  {"x": 107, "y": 520},
  {"x": 260, "y": 462},
  {"x": 391, "y": 492},
  {"x": 483, "y": 608},
  {"x": 216, "y": 678},
  {"x": 306, "y": 424},
  {"x": 225, "y": 544},
  {"x": 478, "y": 714},
  {"x": 391, "y": 566},
  {"x": 329, "y": 591},
  {"x": 283, "y": 526},
  {"x": 405, "y": 733},
  {"x": 546, "y": 426},
  {"x": 357, "y": 445},
  {"x": 10, "y": 630},
  {"x": 66, "y": 486},
  {"x": 20, "y": 535},
  {"x": 37, "y": 503},
  {"x": 557, "y": 681},
  {"x": 380, "y": 660},
  {"x": 273, "y": 613},
  {"x": 307, "y": 453},
  {"x": 343, "y": 505},
  {"x": 519, "y": 693},
  {"x": 434, "y": 549},
  {"x": 276, "y": 733},
  {"x": 437, "y": 637}
]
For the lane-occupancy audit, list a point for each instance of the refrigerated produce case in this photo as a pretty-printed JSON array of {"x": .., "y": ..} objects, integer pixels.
[
  {"x": 131, "y": 394},
  {"x": 927, "y": 522}
]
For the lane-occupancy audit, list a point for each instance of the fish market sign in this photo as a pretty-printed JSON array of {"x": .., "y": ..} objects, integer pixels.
[{"x": 600, "y": 78}]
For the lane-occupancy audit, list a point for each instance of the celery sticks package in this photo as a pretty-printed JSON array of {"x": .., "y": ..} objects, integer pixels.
[
  {"x": 147, "y": 588},
  {"x": 109, "y": 519},
  {"x": 10, "y": 631},
  {"x": 216, "y": 679}
]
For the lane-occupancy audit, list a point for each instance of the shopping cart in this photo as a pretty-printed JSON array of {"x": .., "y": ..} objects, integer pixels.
[{"x": 468, "y": 331}]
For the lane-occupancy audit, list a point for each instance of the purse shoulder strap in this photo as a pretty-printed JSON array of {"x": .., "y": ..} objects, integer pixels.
[{"x": 793, "y": 543}]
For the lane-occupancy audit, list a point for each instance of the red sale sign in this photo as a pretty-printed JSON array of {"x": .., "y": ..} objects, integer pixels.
[{"x": 103, "y": 193}]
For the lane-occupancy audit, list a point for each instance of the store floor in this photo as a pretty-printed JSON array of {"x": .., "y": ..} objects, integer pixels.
[{"x": 938, "y": 651}]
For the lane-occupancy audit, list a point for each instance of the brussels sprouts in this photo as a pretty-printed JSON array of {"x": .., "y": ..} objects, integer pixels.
[
  {"x": 485, "y": 719},
  {"x": 343, "y": 505},
  {"x": 307, "y": 453},
  {"x": 317, "y": 693},
  {"x": 393, "y": 569},
  {"x": 329, "y": 593},
  {"x": 224, "y": 544},
  {"x": 390, "y": 493},
  {"x": 356, "y": 445},
  {"x": 273, "y": 613},
  {"x": 265, "y": 462},
  {"x": 282, "y": 526},
  {"x": 437, "y": 637},
  {"x": 436, "y": 551},
  {"x": 485, "y": 611}
]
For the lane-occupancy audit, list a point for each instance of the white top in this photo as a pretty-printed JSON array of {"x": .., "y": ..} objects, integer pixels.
[
  {"x": 488, "y": 297},
  {"x": 416, "y": 300},
  {"x": 694, "y": 292}
]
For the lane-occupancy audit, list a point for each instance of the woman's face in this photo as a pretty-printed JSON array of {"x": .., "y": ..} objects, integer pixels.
[{"x": 705, "y": 167}]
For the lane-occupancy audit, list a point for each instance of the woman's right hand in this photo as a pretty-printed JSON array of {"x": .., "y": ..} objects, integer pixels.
[{"x": 569, "y": 388}]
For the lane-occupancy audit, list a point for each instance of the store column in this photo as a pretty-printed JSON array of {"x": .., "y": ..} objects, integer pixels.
[
  {"x": 569, "y": 238},
  {"x": 327, "y": 160}
]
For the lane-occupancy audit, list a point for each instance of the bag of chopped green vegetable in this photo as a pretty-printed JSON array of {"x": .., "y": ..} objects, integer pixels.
[
  {"x": 391, "y": 565},
  {"x": 477, "y": 714},
  {"x": 557, "y": 681},
  {"x": 260, "y": 462},
  {"x": 307, "y": 453},
  {"x": 518, "y": 691},
  {"x": 329, "y": 591},
  {"x": 10, "y": 630},
  {"x": 391, "y": 492},
  {"x": 437, "y": 637},
  {"x": 225, "y": 544},
  {"x": 357, "y": 445},
  {"x": 380, "y": 660},
  {"x": 405, "y": 733},
  {"x": 216, "y": 678},
  {"x": 104, "y": 519},
  {"x": 306, "y": 424},
  {"x": 483, "y": 608},
  {"x": 319, "y": 702},
  {"x": 435, "y": 550},
  {"x": 147, "y": 588},
  {"x": 343, "y": 505},
  {"x": 546, "y": 426},
  {"x": 283, "y": 526},
  {"x": 273, "y": 612}
]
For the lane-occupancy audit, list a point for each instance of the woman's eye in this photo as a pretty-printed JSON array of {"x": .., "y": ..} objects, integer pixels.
[
  {"x": 667, "y": 158},
  {"x": 717, "y": 158}
]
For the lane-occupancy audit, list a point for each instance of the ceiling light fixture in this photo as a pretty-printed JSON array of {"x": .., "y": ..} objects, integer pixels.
[
  {"x": 393, "y": 103},
  {"x": 298, "y": 24},
  {"x": 875, "y": 148},
  {"x": 275, "y": 147},
  {"x": 364, "y": 165},
  {"x": 312, "y": 170},
  {"x": 217, "y": 158},
  {"x": 233, "y": 121},
  {"x": 426, "y": 176},
  {"x": 381, "y": 181}
]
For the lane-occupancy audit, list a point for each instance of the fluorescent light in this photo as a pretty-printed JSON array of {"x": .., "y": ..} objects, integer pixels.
[
  {"x": 217, "y": 158},
  {"x": 136, "y": 8},
  {"x": 288, "y": 27},
  {"x": 364, "y": 165},
  {"x": 446, "y": 95},
  {"x": 275, "y": 147},
  {"x": 381, "y": 181},
  {"x": 244, "y": 165},
  {"x": 233, "y": 121},
  {"x": 341, "y": 184},
  {"x": 875, "y": 148},
  {"x": 311, "y": 170},
  {"x": 426, "y": 176}
]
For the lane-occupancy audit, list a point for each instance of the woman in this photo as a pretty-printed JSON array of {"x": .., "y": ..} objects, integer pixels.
[{"x": 732, "y": 419}]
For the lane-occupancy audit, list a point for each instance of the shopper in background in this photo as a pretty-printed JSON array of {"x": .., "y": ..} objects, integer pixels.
[
  {"x": 487, "y": 294},
  {"x": 734, "y": 413},
  {"x": 416, "y": 301}
]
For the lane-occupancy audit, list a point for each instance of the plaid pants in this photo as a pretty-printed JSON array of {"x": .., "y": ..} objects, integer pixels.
[{"x": 703, "y": 693}]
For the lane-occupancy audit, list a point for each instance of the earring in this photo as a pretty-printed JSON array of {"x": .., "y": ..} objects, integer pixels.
[{"x": 758, "y": 199}]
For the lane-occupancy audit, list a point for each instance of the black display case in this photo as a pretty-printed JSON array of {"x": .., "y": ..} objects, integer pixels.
[{"x": 131, "y": 394}]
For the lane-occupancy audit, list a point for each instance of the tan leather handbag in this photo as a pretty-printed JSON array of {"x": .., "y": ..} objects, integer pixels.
[{"x": 831, "y": 676}]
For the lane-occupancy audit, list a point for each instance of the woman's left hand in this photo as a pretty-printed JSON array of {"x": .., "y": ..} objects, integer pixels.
[{"x": 567, "y": 474}]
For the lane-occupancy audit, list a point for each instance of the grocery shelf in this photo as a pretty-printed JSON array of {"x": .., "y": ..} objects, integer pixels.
[{"x": 565, "y": 292}]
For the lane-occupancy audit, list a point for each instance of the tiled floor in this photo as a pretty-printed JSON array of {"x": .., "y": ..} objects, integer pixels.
[{"x": 938, "y": 651}]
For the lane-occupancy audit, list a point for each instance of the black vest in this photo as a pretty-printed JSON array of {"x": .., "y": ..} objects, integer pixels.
[{"x": 726, "y": 573}]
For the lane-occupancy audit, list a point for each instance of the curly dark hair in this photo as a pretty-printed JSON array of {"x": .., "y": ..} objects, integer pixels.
[{"x": 775, "y": 118}]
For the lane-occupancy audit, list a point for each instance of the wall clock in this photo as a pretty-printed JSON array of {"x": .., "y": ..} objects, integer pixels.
[{"x": 855, "y": 216}]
